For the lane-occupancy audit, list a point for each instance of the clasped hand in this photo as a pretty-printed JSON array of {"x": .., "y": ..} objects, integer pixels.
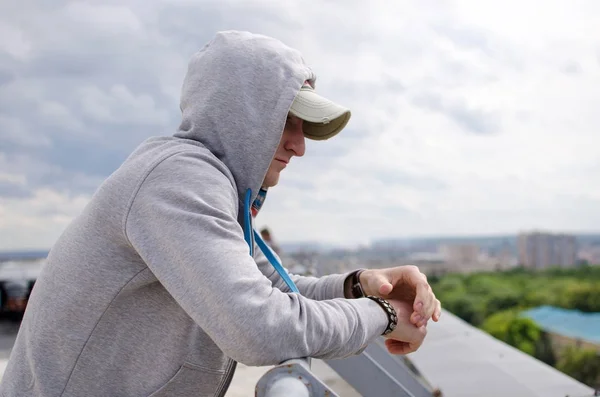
[{"x": 408, "y": 291}]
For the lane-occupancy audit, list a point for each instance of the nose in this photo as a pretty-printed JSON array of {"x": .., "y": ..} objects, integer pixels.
[{"x": 295, "y": 140}]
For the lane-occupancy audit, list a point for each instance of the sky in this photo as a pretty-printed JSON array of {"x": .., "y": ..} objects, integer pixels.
[{"x": 468, "y": 117}]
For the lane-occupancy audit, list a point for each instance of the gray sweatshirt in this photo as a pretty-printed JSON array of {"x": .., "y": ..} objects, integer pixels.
[{"x": 151, "y": 290}]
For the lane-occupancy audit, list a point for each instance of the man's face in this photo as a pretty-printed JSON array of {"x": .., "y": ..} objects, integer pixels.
[{"x": 292, "y": 144}]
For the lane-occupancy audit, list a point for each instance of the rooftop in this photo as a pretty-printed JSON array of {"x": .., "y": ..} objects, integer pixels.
[
  {"x": 464, "y": 361},
  {"x": 572, "y": 323}
]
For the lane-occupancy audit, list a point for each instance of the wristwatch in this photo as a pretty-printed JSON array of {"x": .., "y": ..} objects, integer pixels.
[{"x": 357, "y": 291}]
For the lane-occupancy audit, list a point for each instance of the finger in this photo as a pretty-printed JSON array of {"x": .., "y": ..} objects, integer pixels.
[
  {"x": 438, "y": 310},
  {"x": 416, "y": 318},
  {"x": 399, "y": 347},
  {"x": 414, "y": 277},
  {"x": 423, "y": 304},
  {"x": 408, "y": 345},
  {"x": 432, "y": 304}
]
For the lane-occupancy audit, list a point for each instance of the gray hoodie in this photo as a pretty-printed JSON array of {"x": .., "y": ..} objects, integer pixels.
[{"x": 151, "y": 290}]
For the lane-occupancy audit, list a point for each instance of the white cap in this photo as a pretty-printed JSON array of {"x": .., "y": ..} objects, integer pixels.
[{"x": 323, "y": 118}]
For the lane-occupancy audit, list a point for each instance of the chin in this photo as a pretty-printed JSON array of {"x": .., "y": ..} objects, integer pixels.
[{"x": 271, "y": 180}]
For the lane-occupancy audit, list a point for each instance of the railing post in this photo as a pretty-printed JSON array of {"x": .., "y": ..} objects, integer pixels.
[{"x": 292, "y": 378}]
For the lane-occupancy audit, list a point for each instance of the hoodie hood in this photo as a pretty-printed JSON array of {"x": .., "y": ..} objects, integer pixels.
[{"x": 235, "y": 100}]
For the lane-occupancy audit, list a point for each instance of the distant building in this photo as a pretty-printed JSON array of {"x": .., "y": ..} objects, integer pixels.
[
  {"x": 426, "y": 258},
  {"x": 541, "y": 250},
  {"x": 590, "y": 255},
  {"x": 460, "y": 254}
]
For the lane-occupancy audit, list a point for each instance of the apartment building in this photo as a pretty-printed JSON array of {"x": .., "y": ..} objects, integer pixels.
[{"x": 540, "y": 250}]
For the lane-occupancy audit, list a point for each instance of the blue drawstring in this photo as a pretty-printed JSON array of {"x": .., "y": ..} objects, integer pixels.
[
  {"x": 249, "y": 236},
  {"x": 248, "y": 222},
  {"x": 275, "y": 263}
]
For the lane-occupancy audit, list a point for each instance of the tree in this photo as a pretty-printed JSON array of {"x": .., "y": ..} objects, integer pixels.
[
  {"x": 466, "y": 307},
  {"x": 503, "y": 299},
  {"x": 493, "y": 301},
  {"x": 584, "y": 297},
  {"x": 522, "y": 333},
  {"x": 451, "y": 283},
  {"x": 581, "y": 364},
  {"x": 544, "y": 350},
  {"x": 497, "y": 324}
]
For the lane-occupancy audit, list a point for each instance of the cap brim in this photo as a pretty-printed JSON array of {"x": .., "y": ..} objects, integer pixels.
[{"x": 323, "y": 118}]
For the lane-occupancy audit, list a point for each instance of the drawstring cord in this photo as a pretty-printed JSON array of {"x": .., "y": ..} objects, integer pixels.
[{"x": 250, "y": 235}]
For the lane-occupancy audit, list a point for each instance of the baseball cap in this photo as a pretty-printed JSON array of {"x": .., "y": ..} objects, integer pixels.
[{"x": 323, "y": 118}]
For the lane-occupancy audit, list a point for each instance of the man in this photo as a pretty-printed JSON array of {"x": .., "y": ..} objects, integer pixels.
[
  {"x": 265, "y": 233},
  {"x": 16, "y": 290},
  {"x": 151, "y": 291}
]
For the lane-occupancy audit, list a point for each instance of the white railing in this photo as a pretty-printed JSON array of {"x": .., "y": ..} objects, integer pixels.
[{"x": 374, "y": 372}]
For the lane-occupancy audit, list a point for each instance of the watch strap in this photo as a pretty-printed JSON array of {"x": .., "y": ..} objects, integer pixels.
[{"x": 357, "y": 291}]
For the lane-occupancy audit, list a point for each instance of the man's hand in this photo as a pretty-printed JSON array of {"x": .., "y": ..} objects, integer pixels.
[
  {"x": 407, "y": 337},
  {"x": 406, "y": 284}
]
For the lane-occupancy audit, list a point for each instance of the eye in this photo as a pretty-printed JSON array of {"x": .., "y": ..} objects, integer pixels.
[
  {"x": 292, "y": 121},
  {"x": 289, "y": 122}
]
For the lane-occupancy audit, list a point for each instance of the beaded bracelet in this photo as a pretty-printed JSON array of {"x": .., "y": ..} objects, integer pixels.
[{"x": 389, "y": 310}]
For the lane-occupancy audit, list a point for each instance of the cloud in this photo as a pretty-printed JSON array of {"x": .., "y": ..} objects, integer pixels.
[
  {"x": 13, "y": 186},
  {"x": 471, "y": 119},
  {"x": 13, "y": 190},
  {"x": 34, "y": 221},
  {"x": 26, "y": 174},
  {"x": 118, "y": 105},
  {"x": 15, "y": 131},
  {"x": 466, "y": 37},
  {"x": 572, "y": 67},
  {"x": 466, "y": 117}
]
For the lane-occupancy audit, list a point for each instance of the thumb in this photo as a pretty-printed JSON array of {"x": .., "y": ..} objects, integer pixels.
[{"x": 382, "y": 283}]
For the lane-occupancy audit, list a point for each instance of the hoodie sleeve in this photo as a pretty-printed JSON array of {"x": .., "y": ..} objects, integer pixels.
[
  {"x": 182, "y": 222},
  {"x": 318, "y": 288}
]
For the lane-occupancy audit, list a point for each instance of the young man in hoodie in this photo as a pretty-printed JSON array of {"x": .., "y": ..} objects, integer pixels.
[{"x": 158, "y": 287}]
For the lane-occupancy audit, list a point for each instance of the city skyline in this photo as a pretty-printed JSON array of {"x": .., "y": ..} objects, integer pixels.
[
  {"x": 433, "y": 236},
  {"x": 587, "y": 238}
]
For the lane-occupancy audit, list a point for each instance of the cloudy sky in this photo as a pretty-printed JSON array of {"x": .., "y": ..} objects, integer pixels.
[{"x": 469, "y": 117}]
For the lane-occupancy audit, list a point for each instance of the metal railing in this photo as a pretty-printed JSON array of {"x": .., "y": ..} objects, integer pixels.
[{"x": 374, "y": 372}]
